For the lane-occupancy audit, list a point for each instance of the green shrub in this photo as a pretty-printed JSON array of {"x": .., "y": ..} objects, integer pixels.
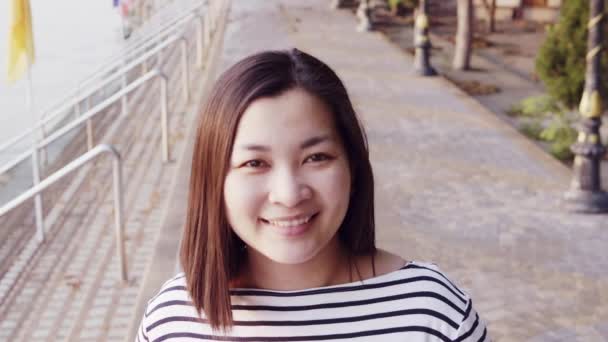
[
  {"x": 560, "y": 62},
  {"x": 561, "y": 135},
  {"x": 542, "y": 118},
  {"x": 535, "y": 106},
  {"x": 531, "y": 128},
  {"x": 410, "y": 3},
  {"x": 405, "y": 3}
]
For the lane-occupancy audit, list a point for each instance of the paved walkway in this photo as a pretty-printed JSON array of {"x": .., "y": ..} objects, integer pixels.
[{"x": 455, "y": 185}]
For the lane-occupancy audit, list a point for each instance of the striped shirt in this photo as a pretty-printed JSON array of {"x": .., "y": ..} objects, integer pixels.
[{"x": 414, "y": 303}]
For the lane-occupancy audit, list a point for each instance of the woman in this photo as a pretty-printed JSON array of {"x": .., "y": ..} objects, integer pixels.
[{"x": 279, "y": 239}]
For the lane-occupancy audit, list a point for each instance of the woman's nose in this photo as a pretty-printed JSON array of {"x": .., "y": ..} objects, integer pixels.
[{"x": 288, "y": 189}]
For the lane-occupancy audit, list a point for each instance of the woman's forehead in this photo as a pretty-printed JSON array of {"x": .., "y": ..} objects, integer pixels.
[{"x": 290, "y": 118}]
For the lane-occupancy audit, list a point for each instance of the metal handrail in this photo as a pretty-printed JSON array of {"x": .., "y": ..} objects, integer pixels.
[
  {"x": 140, "y": 40},
  {"x": 119, "y": 73},
  {"x": 165, "y": 30},
  {"x": 98, "y": 108},
  {"x": 61, "y": 110},
  {"x": 151, "y": 19},
  {"x": 122, "y": 74},
  {"x": 71, "y": 167},
  {"x": 40, "y": 186},
  {"x": 175, "y": 25},
  {"x": 92, "y": 112},
  {"x": 152, "y": 39},
  {"x": 167, "y": 12}
]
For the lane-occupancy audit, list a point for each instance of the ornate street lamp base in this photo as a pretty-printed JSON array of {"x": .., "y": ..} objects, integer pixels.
[
  {"x": 427, "y": 71},
  {"x": 365, "y": 26},
  {"x": 335, "y": 4},
  {"x": 422, "y": 65},
  {"x": 586, "y": 201},
  {"x": 364, "y": 13}
]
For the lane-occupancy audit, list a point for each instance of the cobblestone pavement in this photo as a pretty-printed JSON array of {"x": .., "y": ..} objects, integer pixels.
[
  {"x": 68, "y": 289},
  {"x": 455, "y": 185}
]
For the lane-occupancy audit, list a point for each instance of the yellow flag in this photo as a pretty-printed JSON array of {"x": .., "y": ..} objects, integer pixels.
[{"x": 20, "y": 40}]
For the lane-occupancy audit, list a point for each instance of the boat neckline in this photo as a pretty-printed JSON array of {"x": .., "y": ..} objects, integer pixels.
[{"x": 327, "y": 287}]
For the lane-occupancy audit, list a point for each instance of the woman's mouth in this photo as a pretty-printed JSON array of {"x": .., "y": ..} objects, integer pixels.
[{"x": 293, "y": 226}]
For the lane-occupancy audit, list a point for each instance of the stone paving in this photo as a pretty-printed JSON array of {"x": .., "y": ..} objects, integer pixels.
[{"x": 455, "y": 184}]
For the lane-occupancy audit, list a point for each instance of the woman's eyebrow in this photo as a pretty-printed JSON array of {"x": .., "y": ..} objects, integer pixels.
[
  {"x": 314, "y": 141},
  {"x": 254, "y": 147},
  {"x": 310, "y": 142}
]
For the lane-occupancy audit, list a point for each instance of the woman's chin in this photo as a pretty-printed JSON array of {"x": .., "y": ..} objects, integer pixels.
[{"x": 289, "y": 255}]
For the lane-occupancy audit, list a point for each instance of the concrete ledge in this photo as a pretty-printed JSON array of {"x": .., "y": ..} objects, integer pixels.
[{"x": 165, "y": 263}]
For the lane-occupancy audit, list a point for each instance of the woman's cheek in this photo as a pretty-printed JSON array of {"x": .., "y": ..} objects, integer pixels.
[
  {"x": 337, "y": 179},
  {"x": 247, "y": 191}
]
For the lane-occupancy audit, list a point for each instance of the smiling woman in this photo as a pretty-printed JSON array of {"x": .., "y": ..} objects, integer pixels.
[{"x": 279, "y": 239}]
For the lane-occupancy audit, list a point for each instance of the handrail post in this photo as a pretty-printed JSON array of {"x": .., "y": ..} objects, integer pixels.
[
  {"x": 44, "y": 150},
  {"x": 199, "y": 41},
  {"x": 210, "y": 12},
  {"x": 185, "y": 76},
  {"x": 118, "y": 218},
  {"x": 89, "y": 129},
  {"x": 90, "y": 141},
  {"x": 212, "y": 7},
  {"x": 123, "y": 84},
  {"x": 77, "y": 110},
  {"x": 144, "y": 66},
  {"x": 88, "y": 102},
  {"x": 207, "y": 28},
  {"x": 218, "y": 11},
  {"x": 159, "y": 56},
  {"x": 38, "y": 212},
  {"x": 164, "y": 110}
]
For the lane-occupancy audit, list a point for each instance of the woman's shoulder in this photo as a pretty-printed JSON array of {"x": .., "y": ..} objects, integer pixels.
[
  {"x": 425, "y": 272},
  {"x": 172, "y": 291},
  {"x": 389, "y": 267},
  {"x": 448, "y": 299},
  {"x": 170, "y": 311},
  {"x": 414, "y": 279}
]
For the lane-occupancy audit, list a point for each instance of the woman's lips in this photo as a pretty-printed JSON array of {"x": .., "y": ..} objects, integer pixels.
[{"x": 291, "y": 227}]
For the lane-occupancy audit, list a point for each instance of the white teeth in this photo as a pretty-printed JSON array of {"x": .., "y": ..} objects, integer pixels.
[{"x": 290, "y": 223}]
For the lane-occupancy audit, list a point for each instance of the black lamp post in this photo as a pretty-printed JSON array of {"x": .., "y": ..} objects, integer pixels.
[
  {"x": 586, "y": 194},
  {"x": 422, "y": 42},
  {"x": 335, "y": 4},
  {"x": 364, "y": 12}
]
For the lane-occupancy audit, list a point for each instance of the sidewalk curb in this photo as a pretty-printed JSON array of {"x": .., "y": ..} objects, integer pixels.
[{"x": 165, "y": 262}]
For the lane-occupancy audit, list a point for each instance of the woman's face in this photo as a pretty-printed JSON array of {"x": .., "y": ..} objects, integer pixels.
[{"x": 288, "y": 186}]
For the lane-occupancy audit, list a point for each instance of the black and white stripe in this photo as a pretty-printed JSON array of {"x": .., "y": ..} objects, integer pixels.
[{"x": 415, "y": 303}]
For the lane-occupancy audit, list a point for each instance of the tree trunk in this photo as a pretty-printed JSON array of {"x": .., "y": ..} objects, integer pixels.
[
  {"x": 491, "y": 9},
  {"x": 464, "y": 35}
]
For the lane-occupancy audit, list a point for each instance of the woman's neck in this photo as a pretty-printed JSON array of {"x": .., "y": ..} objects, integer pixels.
[{"x": 329, "y": 267}]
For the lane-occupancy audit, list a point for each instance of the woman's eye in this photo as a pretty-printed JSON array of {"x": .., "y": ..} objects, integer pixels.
[
  {"x": 254, "y": 163},
  {"x": 318, "y": 157}
]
